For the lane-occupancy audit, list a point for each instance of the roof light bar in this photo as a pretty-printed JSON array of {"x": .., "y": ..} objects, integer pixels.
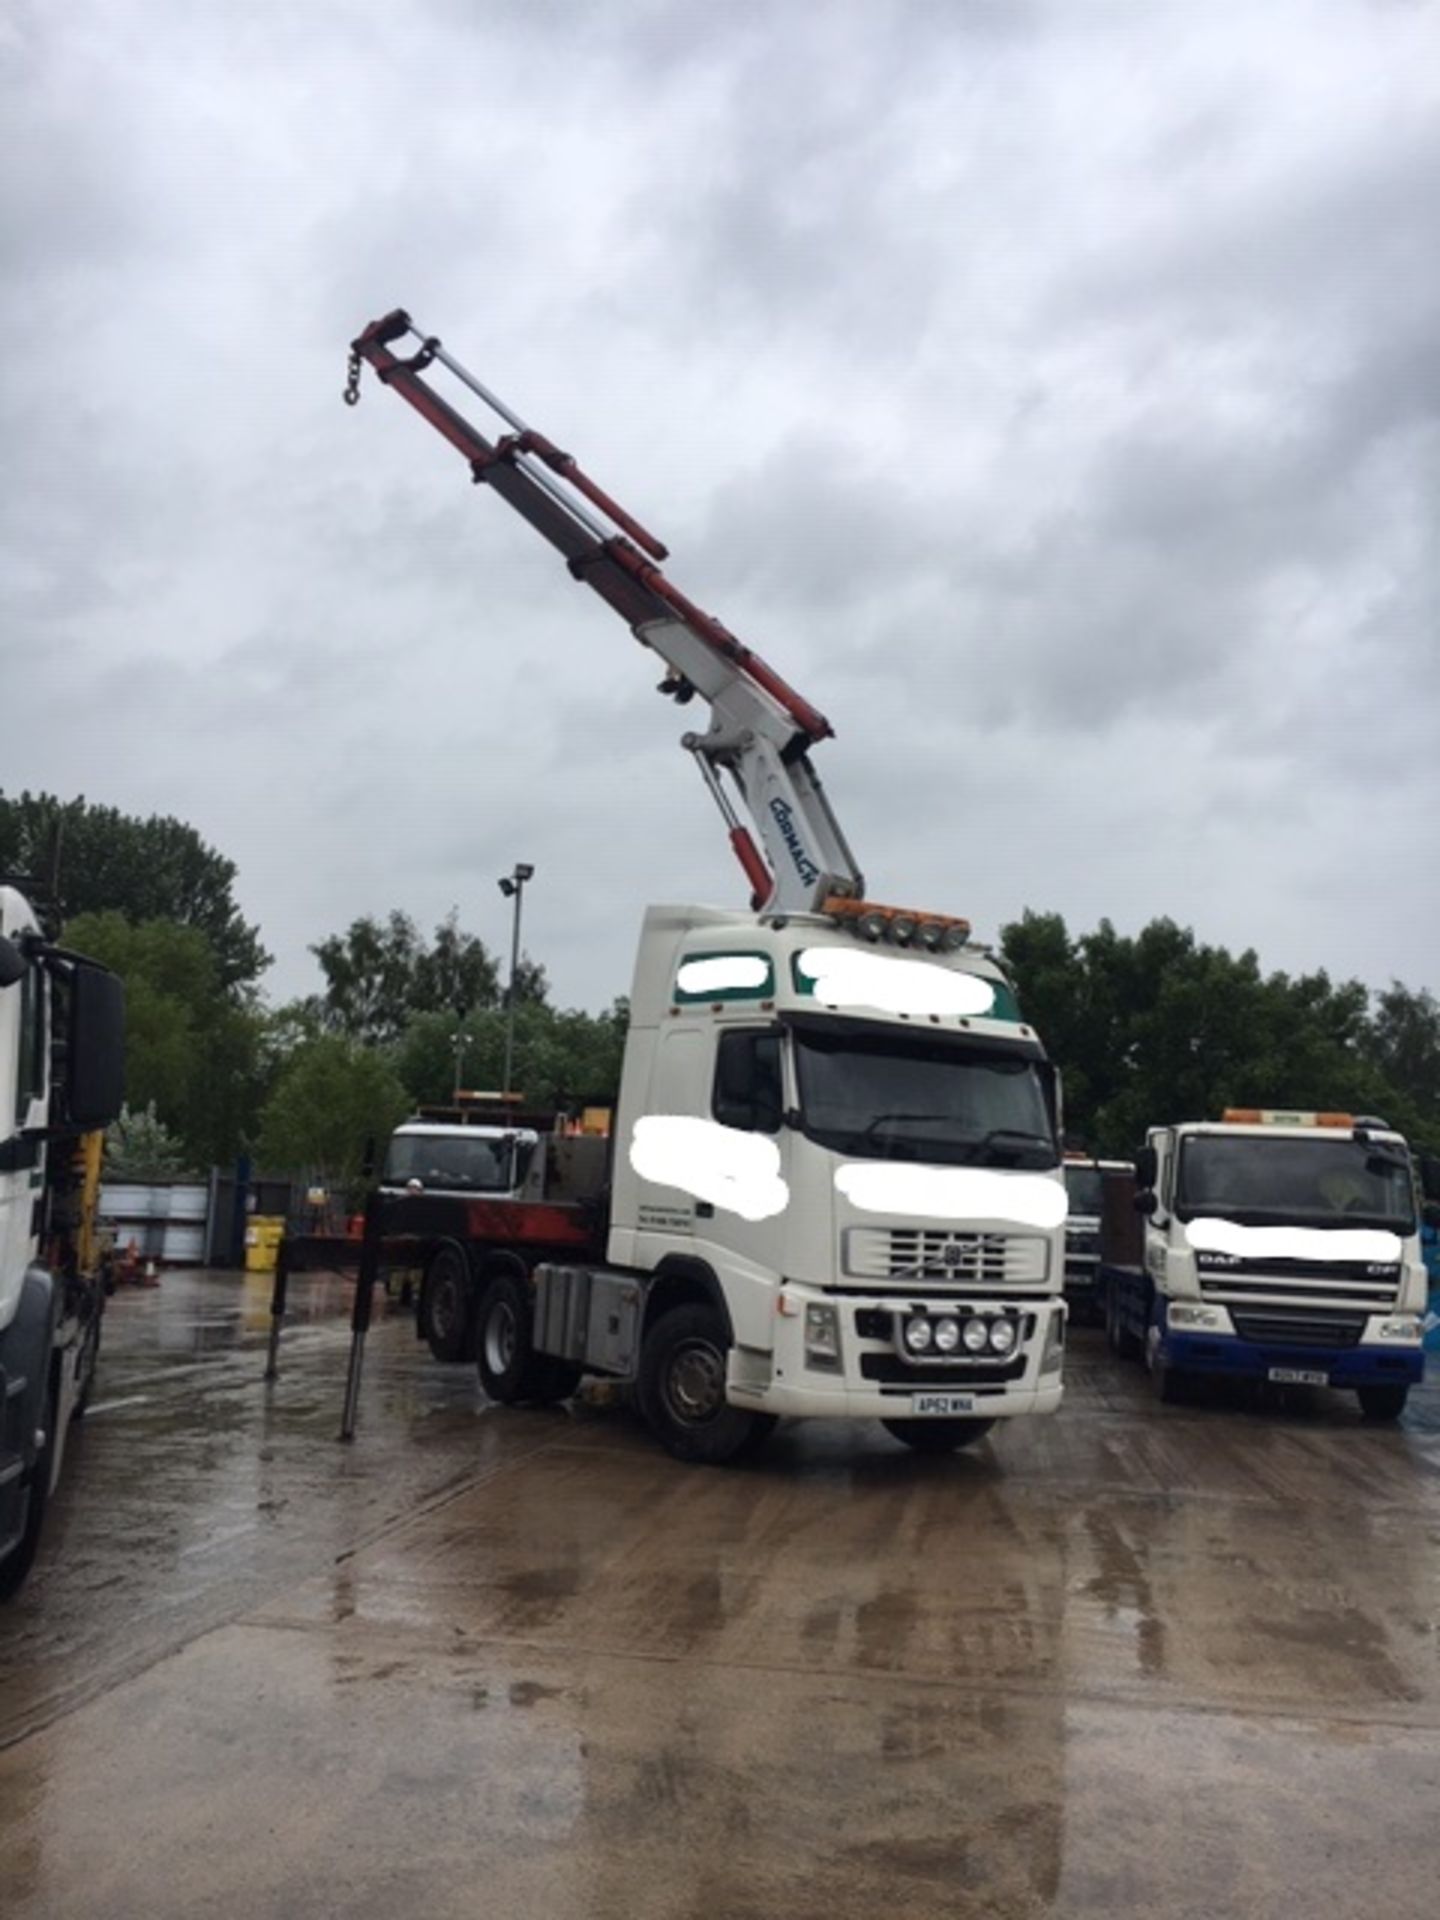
[
  {"x": 1278, "y": 1117},
  {"x": 900, "y": 926}
]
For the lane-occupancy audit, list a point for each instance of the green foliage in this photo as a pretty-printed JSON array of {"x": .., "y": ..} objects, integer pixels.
[
  {"x": 138, "y": 1146},
  {"x": 147, "y": 869},
  {"x": 191, "y": 1053},
  {"x": 332, "y": 1095},
  {"x": 558, "y": 1054},
  {"x": 1158, "y": 1028},
  {"x": 380, "y": 974}
]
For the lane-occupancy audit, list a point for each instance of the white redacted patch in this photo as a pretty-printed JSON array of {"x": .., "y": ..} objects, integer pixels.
[
  {"x": 723, "y": 972},
  {"x": 732, "y": 1169},
  {"x": 1319, "y": 1244},
  {"x": 850, "y": 977},
  {"x": 954, "y": 1193}
]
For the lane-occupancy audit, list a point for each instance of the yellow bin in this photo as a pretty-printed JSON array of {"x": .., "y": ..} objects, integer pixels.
[{"x": 262, "y": 1240}]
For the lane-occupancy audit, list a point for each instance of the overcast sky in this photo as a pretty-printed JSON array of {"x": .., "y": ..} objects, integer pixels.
[{"x": 1049, "y": 388}]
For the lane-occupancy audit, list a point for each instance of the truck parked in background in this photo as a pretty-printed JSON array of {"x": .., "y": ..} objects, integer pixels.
[
  {"x": 834, "y": 1185},
  {"x": 61, "y": 1076},
  {"x": 1279, "y": 1246},
  {"x": 1084, "y": 1189}
]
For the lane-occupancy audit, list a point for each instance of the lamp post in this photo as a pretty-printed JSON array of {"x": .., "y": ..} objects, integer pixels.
[{"x": 513, "y": 887}]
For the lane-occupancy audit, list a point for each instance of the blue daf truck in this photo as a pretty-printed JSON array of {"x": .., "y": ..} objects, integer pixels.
[{"x": 1278, "y": 1246}]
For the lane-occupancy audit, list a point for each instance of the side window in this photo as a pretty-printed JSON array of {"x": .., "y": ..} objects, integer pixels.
[
  {"x": 748, "y": 1090},
  {"x": 30, "y": 1055}
]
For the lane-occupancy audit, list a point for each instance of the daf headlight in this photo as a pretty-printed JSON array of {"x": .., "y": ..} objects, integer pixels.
[
  {"x": 1198, "y": 1319},
  {"x": 1407, "y": 1329},
  {"x": 918, "y": 1334}
]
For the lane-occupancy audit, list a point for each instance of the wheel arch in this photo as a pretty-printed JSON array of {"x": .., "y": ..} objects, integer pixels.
[{"x": 680, "y": 1281}]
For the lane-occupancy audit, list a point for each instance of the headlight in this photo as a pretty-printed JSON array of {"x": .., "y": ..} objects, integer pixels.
[
  {"x": 902, "y": 930},
  {"x": 1407, "y": 1327},
  {"x": 871, "y": 926},
  {"x": 1205, "y": 1319},
  {"x": 977, "y": 1336},
  {"x": 1002, "y": 1336},
  {"x": 822, "y": 1338},
  {"x": 947, "y": 1335},
  {"x": 918, "y": 1334}
]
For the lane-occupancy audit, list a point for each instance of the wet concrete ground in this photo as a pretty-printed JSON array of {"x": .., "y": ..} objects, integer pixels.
[{"x": 1130, "y": 1659}]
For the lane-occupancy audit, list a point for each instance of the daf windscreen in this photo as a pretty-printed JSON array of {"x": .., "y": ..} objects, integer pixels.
[
  {"x": 892, "y": 1095},
  {"x": 1324, "y": 1183}
]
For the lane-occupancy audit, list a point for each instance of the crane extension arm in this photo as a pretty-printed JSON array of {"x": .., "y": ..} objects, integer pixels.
[{"x": 760, "y": 729}]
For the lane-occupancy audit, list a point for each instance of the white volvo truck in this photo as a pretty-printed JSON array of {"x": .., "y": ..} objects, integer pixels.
[
  {"x": 835, "y": 1184},
  {"x": 61, "y": 1075}
]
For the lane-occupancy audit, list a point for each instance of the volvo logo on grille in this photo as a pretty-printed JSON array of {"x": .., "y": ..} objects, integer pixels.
[{"x": 954, "y": 1253}]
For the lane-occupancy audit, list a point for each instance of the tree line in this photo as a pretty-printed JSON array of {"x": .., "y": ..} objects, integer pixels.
[{"x": 1145, "y": 1028}]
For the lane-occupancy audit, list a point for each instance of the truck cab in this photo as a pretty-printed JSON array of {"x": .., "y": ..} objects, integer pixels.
[
  {"x": 1284, "y": 1246},
  {"x": 61, "y": 1073}
]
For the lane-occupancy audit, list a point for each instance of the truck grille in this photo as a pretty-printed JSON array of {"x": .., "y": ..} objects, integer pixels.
[
  {"x": 1272, "y": 1289},
  {"x": 904, "y": 1255},
  {"x": 1271, "y": 1326}
]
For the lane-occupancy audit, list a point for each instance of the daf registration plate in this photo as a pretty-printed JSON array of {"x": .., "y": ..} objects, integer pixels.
[
  {"x": 942, "y": 1403},
  {"x": 1297, "y": 1377}
]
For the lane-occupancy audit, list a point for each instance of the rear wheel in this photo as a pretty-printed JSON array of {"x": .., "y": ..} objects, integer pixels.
[
  {"x": 938, "y": 1436},
  {"x": 510, "y": 1369},
  {"x": 89, "y": 1356},
  {"x": 682, "y": 1389},
  {"x": 1383, "y": 1403},
  {"x": 445, "y": 1306}
]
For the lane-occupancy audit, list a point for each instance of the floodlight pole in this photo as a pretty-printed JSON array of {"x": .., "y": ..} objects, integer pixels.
[{"x": 513, "y": 887}]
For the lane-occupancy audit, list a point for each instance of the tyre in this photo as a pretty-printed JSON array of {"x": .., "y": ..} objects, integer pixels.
[
  {"x": 1171, "y": 1383},
  {"x": 682, "y": 1389},
  {"x": 1122, "y": 1342},
  {"x": 938, "y": 1436},
  {"x": 89, "y": 1359},
  {"x": 445, "y": 1306},
  {"x": 1383, "y": 1403},
  {"x": 510, "y": 1369},
  {"x": 17, "y": 1564}
]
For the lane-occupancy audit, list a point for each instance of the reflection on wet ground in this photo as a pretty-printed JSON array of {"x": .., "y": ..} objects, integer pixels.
[{"x": 1179, "y": 1661}]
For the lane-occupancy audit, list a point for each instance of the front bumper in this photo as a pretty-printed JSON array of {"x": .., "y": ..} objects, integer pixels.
[
  {"x": 872, "y": 1381},
  {"x": 1361, "y": 1366}
]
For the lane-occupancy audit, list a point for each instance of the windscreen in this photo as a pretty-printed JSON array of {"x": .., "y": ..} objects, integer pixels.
[
  {"x": 470, "y": 1163},
  {"x": 889, "y": 1096},
  {"x": 1341, "y": 1182},
  {"x": 1085, "y": 1187}
]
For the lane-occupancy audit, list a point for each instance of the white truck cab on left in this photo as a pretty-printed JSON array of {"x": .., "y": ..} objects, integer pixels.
[{"x": 61, "y": 1076}]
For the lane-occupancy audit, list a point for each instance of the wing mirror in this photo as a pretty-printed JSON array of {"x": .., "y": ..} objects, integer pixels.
[{"x": 1146, "y": 1202}]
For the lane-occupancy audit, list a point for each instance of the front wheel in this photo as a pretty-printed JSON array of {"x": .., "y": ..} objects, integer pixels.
[
  {"x": 1383, "y": 1403},
  {"x": 510, "y": 1369},
  {"x": 682, "y": 1389},
  {"x": 16, "y": 1565},
  {"x": 938, "y": 1436}
]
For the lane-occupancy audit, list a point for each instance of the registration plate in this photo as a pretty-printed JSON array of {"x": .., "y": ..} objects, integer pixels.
[
  {"x": 942, "y": 1403},
  {"x": 1297, "y": 1377}
]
